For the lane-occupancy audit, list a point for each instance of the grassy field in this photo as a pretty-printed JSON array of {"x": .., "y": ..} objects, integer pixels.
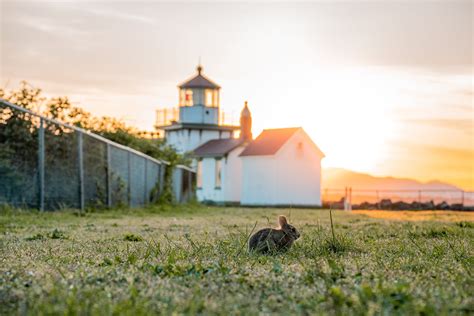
[{"x": 193, "y": 259}]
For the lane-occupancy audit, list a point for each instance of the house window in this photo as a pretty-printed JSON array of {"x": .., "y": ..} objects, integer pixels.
[
  {"x": 299, "y": 150},
  {"x": 209, "y": 100},
  {"x": 199, "y": 175},
  {"x": 211, "y": 97},
  {"x": 218, "y": 173},
  {"x": 188, "y": 98},
  {"x": 182, "y": 97},
  {"x": 215, "y": 98}
]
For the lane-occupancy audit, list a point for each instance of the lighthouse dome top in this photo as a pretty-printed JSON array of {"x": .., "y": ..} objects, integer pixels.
[{"x": 199, "y": 82}]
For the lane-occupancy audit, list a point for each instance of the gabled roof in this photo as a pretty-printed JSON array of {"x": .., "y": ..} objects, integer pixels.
[
  {"x": 199, "y": 81},
  {"x": 269, "y": 141},
  {"x": 218, "y": 147}
]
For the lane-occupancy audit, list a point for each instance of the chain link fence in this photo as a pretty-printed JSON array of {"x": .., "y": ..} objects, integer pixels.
[
  {"x": 48, "y": 165},
  {"x": 398, "y": 199}
]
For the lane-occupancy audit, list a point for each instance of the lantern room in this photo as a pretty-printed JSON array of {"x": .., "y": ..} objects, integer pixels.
[{"x": 199, "y": 100}]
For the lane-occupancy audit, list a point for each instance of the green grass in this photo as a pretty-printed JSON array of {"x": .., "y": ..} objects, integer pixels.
[{"x": 193, "y": 259}]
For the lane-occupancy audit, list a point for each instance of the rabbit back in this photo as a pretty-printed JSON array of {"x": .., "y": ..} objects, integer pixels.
[{"x": 268, "y": 240}]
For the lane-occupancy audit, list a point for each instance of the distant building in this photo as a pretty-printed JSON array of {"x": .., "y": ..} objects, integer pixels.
[{"x": 280, "y": 167}]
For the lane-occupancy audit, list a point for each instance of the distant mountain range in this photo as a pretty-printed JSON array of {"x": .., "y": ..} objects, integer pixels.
[{"x": 337, "y": 178}]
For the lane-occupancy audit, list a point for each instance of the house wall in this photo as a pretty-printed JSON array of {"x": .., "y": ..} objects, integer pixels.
[
  {"x": 290, "y": 177},
  {"x": 208, "y": 190},
  {"x": 231, "y": 179},
  {"x": 258, "y": 180},
  {"x": 184, "y": 140}
]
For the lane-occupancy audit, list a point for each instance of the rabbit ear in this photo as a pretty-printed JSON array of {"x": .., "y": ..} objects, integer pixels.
[{"x": 282, "y": 220}]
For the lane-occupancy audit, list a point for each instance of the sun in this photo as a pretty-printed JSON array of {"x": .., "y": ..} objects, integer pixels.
[{"x": 354, "y": 119}]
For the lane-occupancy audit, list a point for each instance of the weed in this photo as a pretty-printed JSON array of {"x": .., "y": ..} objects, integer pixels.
[
  {"x": 57, "y": 234},
  {"x": 35, "y": 237},
  {"x": 132, "y": 237},
  {"x": 106, "y": 262},
  {"x": 465, "y": 224},
  {"x": 438, "y": 232},
  {"x": 337, "y": 245}
]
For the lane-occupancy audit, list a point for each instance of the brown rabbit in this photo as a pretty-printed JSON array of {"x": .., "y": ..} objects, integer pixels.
[{"x": 274, "y": 240}]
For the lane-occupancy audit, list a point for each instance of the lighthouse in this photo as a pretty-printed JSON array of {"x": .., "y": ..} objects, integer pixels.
[{"x": 199, "y": 112}]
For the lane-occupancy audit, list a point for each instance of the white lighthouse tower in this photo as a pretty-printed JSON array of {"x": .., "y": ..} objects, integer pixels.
[{"x": 198, "y": 115}]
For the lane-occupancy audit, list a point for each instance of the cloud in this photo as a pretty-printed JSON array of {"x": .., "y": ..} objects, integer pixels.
[
  {"x": 421, "y": 34},
  {"x": 111, "y": 13}
]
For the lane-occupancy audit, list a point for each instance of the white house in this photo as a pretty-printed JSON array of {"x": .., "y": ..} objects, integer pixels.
[
  {"x": 199, "y": 110},
  {"x": 281, "y": 167}
]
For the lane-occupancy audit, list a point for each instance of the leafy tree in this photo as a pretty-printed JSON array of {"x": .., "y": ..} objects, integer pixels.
[{"x": 19, "y": 144}]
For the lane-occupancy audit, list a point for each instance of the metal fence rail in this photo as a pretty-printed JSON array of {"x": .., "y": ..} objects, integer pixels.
[
  {"x": 47, "y": 164},
  {"x": 375, "y": 197}
]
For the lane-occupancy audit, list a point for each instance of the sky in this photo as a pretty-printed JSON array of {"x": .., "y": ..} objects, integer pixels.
[{"x": 383, "y": 87}]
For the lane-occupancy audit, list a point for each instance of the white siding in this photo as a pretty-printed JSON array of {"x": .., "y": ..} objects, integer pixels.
[
  {"x": 232, "y": 176},
  {"x": 231, "y": 179},
  {"x": 208, "y": 191},
  {"x": 258, "y": 180},
  {"x": 290, "y": 177},
  {"x": 186, "y": 140}
]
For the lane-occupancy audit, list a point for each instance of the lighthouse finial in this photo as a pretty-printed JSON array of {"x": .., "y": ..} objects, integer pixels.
[{"x": 199, "y": 67}]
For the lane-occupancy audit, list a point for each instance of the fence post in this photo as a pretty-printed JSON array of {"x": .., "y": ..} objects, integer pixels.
[
  {"x": 190, "y": 185},
  {"x": 349, "y": 201},
  {"x": 41, "y": 163},
  {"x": 161, "y": 175},
  {"x": 129, "y": 191},
  {"x": 145, "y": 186},
  {"x": 109, "y": 178},
  {"x": 80, "y": 157},
  {"x": 345, "y": 198}
]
